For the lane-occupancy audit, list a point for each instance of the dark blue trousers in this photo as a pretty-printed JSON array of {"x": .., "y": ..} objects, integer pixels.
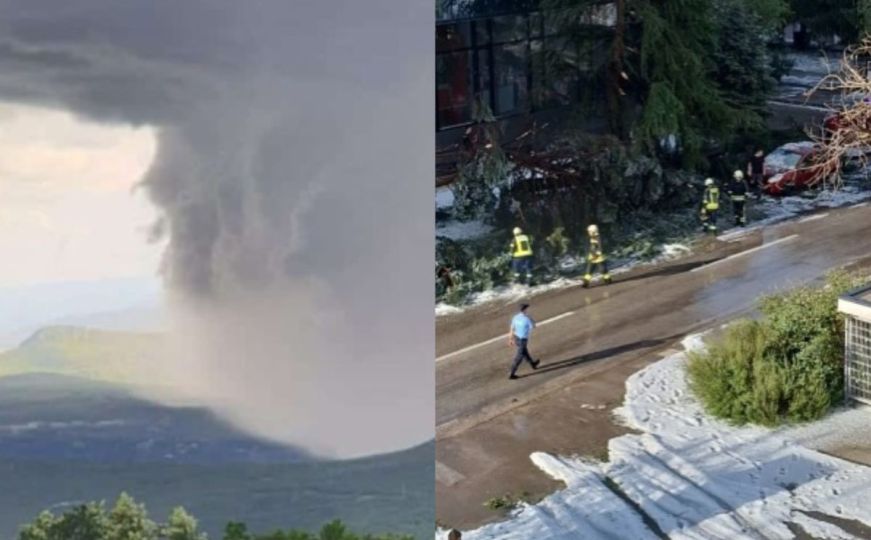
[{"x": 521, "y": 355}]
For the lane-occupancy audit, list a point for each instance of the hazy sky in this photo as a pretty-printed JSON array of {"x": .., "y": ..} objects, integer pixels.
[
  {"x": 69, "y": 212},
  {"x": 293, "y": 179}
]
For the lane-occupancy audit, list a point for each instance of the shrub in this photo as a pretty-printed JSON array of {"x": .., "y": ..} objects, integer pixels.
[
  {"x": 786, "y": 367},
  {"x": 735, "y": 380},
  {"x": 557, "y": 242},
  {"x": 506, "y": 502},
  {"x": 487, "y": 273},
  {"x": 808, "y": 332},
  {"x": 128, "y": 520}
]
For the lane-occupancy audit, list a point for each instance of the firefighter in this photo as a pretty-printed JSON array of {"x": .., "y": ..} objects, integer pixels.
[
  {"x": 710, "y": 206},
  {"x": 521, "y": 256},
  {"x": 595, "y": 257},
  {"x": 738, "y": 196}
]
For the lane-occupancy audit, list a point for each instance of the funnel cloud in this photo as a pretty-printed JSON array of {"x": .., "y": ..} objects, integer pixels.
[{"x": 293, "y": 179}]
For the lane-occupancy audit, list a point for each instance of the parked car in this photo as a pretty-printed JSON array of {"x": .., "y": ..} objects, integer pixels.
[
  {"x": 834, "y": 123},
  {"x": 790, "y": 168}
]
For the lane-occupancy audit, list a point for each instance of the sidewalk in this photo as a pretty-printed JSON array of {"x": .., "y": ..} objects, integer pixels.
[
  {"x": 723, "y": 479},
  {"x": 491, "y": 459}
]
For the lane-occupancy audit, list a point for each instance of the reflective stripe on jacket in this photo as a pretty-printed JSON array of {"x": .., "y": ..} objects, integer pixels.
[
  {"x": 521, "y": 246},
  {"x": 738, "y": 190}
]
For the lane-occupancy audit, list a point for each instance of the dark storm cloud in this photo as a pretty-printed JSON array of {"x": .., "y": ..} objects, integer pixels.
[{"x": 291, "y": 190}]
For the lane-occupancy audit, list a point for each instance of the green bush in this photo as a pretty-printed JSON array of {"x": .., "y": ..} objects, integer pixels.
[
  {"x": 335, "y": 530},
  {"x": 788, "y": 367},
  {"x": 558, "y": 243},
  {"x": 128, "y": 520},
  {"x": 735, "y": 379},
  {"x": 487, "y": 273}
]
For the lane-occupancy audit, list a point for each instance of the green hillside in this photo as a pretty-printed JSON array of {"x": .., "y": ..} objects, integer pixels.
[
  {"x": 94, "y": 354},
  {"x": 383, "y": 493}
]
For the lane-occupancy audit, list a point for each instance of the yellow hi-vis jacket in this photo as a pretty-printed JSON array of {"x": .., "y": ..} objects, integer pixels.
[
  {"x": 521, "y": 246},
  {"x": 711, "y": 199},
  {"x": 594, "y": 254}
]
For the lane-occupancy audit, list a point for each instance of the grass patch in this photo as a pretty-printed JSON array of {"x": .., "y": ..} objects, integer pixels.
[
  {"x": 502, "y": 502},
  {"x": 787, "y": 367},
  {"x": 509, "y": 501},
  {"x": 601, "y": 455}
]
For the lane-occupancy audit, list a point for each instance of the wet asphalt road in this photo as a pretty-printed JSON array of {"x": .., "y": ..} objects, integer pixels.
[{"x": 642, "y": 310}]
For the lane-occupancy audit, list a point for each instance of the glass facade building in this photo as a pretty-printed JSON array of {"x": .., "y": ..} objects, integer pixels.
[{"x": 502, "y": 62}]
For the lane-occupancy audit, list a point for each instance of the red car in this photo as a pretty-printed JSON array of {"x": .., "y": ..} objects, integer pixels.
[
  {"x": 832, "y": 123},
  {"x": 791, "y": 167}
]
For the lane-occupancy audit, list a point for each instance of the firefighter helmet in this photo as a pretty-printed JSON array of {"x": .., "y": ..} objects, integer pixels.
[
  {"x": 593, "y": 230},
  {"x": 738, "y": 175},
  {"x": 517, "y": 231},
  {"x": 709, "y": 181}
]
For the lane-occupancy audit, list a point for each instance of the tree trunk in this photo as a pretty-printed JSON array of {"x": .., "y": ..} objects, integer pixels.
[{"x": 615, "y": 74}]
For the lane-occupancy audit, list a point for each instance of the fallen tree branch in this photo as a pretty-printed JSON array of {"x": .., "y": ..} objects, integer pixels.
[{"x": 850, "y": 135}]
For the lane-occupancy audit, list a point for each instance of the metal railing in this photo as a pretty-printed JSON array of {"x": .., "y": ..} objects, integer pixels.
[{"x": 857, "y": 347}]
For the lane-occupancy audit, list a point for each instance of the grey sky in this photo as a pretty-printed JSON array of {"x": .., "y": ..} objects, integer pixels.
[
  {"x": 293, "y": 172},
  {"x": 68, "y": 213}
]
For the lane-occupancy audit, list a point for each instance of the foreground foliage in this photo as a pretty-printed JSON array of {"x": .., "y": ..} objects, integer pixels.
[
  {"x": 787, "y": 367},
  {"x": 128, "y": 520}
]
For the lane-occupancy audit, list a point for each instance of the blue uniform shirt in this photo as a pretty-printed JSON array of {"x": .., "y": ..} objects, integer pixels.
[{"x": 521, "y": 326}]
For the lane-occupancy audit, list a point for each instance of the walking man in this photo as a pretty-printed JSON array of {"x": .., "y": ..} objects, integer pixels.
[
  {"x": 710, "y": 206},
  {"x": 518, "y": 336},
  {"x": 738, "y": 195}
]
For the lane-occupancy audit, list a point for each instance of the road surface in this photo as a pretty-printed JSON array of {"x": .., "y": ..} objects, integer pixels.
[{"x": 580, "y": 330}]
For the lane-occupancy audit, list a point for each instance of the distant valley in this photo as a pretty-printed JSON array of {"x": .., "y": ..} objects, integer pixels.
[{"x": 71, "y": 430}]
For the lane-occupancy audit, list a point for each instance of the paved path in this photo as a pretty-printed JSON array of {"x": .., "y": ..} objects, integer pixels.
[{"x": 595, "y": 338}]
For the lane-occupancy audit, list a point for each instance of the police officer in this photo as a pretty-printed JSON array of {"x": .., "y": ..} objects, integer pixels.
[
  {"x": 595, "y": 257},
  {"x": 518, "y": 336},
  {"x": 738, "y": 196},
  {"x": 710, "y": 206},
  {"x": 521, "y": 255}
]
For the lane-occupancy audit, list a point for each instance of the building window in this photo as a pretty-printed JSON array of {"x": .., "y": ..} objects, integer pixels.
[
  {"x": 454, "y": 36},
  {"x": 555, "y": 72},
  {"x": 510, "y": 74},
  {"x": 484, "y": 82},
  {"x": 510, "y": 28},
  {"x": 454, "y": 92},
  {"x": 512, "y": 64}
]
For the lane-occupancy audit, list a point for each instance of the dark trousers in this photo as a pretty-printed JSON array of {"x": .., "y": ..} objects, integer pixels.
[
  {"x": 756, "y": 183},
  {"x": 601, "y": 267},
  {"x": 738, "y": 208},
  {"x": 522, "y": 266},
  {"x": 521, "y": 355},
  {"x": 709, "y": 220}
]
